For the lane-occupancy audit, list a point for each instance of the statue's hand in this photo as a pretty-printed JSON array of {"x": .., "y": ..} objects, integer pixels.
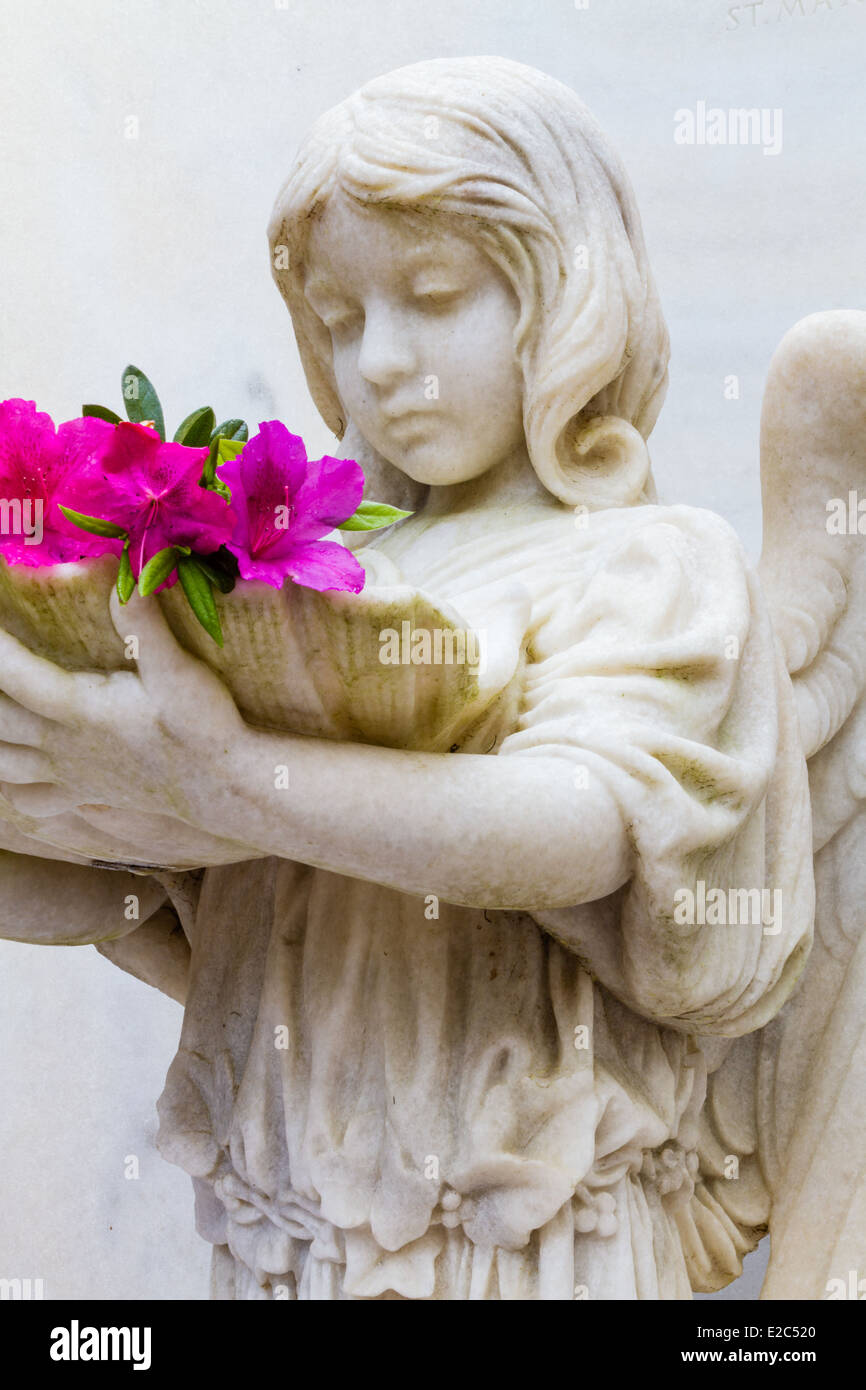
[{"x": 146, "y": 742}]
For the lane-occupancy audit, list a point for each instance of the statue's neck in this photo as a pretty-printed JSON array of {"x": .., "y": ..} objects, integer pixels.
[{"x": 511, "y": 482}]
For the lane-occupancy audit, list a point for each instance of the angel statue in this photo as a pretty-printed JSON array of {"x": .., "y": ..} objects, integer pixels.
[{"x": 513, "y": 998}]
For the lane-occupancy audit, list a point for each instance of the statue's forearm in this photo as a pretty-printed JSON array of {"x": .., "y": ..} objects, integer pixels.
[
  {"x": 499, "y": 832},
  {"x": 158, "y": 954},
  {"x": 45, "y": 902}
]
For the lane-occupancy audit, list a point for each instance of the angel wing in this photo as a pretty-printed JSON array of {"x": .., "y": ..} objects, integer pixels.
[{"x": 791, "y": 1101}]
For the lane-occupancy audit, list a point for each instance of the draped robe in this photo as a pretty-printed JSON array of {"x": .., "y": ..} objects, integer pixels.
[{"x": 380, "y": 1099}]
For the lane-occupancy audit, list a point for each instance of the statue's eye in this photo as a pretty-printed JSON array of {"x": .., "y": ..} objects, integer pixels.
[
  {"x": 335, "y": 310},
  {"x": 344, "y": 318},
  {"x": 437, "y": 296}
]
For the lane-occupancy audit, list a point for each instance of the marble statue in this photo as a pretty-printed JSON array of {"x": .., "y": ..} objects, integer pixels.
[{"x": 517, "y": 999}]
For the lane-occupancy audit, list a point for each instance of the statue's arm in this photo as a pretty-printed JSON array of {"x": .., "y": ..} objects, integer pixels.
[
  {"x": 478, "y": 831},
  {"x": 48, "y": 902},
  {"x": 157, "y": 953}
]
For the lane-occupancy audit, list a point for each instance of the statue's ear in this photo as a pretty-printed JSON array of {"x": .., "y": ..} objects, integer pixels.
[{"x": 604, "y": 462}]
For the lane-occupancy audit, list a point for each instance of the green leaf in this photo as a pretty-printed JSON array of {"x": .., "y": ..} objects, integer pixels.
[
  {"x": 221, "y": 450},
  {"x": 94, "y": 524},
  {"x": 372, "y": 516},
  {"x": 101, "y": 412},
  {"x": 141, "y": 400},
  {"x": 197, "y": 587},
  {"x": 222, "y": 488},
  {"x": 125, "y": 577},
  {"x": 228, "y": 449},
  {"x": 232, "y": 429},
  {"x": 157, "y": 570},
  {"x": 195, "y": 430},
  {"x": 224, "y": 581},
  {"x": 208, "y": 473}
]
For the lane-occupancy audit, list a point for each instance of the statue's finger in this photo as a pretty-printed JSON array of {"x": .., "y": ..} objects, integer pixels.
[
  {"x": 33, "y": 682},
  {"x": 23, "y": 765},
  {"x": 159, "y": 654},
  {"x": 19, "y": 725},
  {"x": 41, "y": 800}
]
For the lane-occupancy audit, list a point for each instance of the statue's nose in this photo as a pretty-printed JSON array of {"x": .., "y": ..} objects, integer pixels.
[{"x": 386, "y": 352}]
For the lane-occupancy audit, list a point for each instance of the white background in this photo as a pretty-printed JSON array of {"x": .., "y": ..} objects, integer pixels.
[{"x": 153, "y": 250}]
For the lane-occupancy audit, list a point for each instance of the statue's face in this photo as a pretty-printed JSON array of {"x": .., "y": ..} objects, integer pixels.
[{"x": 422, "y": 326}]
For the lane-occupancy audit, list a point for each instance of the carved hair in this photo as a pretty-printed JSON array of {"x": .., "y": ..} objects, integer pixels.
[{"x": 519, "y": 160}]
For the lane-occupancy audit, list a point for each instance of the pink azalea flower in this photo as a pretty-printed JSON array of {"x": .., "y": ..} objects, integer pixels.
[
  {"x": 37, "y": 464},
  {"x": 285, "y": 504},
  {"x": 151, "y": 490}
]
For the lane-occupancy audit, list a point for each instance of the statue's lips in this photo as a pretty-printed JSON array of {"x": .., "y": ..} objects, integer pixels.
[{"x": 407, "y": 421}]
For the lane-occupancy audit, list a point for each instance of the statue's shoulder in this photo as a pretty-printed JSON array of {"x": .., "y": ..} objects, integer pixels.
[
  {"x": 695, "y": 536},
  {"x": 640, "y": 576},
  {"x": 657, "y": 522}
]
